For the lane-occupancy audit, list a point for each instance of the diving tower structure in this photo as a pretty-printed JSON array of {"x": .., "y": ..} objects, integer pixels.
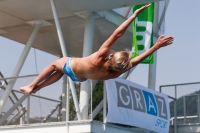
[{"x": 66, "y": 28}]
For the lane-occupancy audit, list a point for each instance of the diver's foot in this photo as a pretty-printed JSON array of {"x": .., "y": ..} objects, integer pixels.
[{"x": 27, "y": 89}]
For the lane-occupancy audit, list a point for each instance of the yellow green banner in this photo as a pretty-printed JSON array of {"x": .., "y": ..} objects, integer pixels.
[{"x": 142, "y": 28}]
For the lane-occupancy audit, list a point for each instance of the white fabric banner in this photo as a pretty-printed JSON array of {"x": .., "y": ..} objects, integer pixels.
[{"x": 136, "y": 105}]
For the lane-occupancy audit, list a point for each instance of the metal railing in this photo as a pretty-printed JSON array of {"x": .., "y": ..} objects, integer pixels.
[
  {"x": 178, "y": 106},
  {"x": 36, "y": 108},
  {"x": 21, "y": 108},
  {"x": 182, "y": 119}
]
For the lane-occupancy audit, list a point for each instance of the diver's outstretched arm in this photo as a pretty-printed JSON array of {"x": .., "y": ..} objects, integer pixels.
[
  {"x": 105, "y": 48},
  {"x": 162, "y": 41}
]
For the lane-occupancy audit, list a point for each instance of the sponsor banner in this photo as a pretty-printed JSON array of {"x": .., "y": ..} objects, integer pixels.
[
  {"x": 135, "y": 105},
  {"x": 142, "y": 28}
]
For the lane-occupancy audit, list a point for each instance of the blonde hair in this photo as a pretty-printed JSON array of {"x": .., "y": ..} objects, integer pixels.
[{"x": 120, "y": 61}]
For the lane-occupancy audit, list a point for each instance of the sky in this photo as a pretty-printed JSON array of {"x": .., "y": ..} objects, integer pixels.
[{"x": 177, "y": 63}]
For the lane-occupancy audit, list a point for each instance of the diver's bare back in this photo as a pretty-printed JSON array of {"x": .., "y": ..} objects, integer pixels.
[{"x": 92, "y": 67}]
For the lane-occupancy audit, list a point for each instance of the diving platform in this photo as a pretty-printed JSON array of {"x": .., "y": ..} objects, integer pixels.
[
  {"x": 71, "y": 127},
  {"x": 89, "y": 127}
]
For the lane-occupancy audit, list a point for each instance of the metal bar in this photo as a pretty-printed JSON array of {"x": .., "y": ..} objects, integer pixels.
[
  {"x": 3, "y": 77},
  {"x": 184, "y": 109},
  {"x": 97, "y": 109},
  {"x": 175, "y": 112},
  {"x": 2, "y": 84},
  {"x": 59, "y": 114},
  {"x": 20, "y": 116},
  {"x": 127, "y": 10},
  {"x": 104, "y": 103},
  {"x": 114, "y": 18},
  {"x": 104, "y": 107},
  {"x": 67, "y": 101},
  {"x": 28, "y": 109},
  {"x": 74, "y": 95},
  {"x": 14, "y": 97},
  {"x": 94, "y": 82},
  {"x": 20, "y": 64},
  {"x": 88, "y": 34},
  {"x": 180, "y": 84},
  {"x": 47, "y": 117},
  {"x": 163, "y": 13},
  {"x": 198, "y": 108},
  {"x": 87, "y": 50},
  {"x": 39, "y": 96},
  {"x": 9, "y": 96},
  {"x": 172, "y": 120},
  {"x": 64, "y": 52},
  {"x": 58, "y": 27},
  {"x": 5, "y": 81},
  {"x": 15, "y": 77},
  {"x": 172, "y": 97},
  {"x": 67, "y": 106},
  {"x": 6, "y": 115},
  {"x": 13, "y": 117},
  {"x": 91, "y": 88},
  {"x": 189, "y": 95},
  {"x": 63, "y": 110},
  {"x": 152, "y": 67}
]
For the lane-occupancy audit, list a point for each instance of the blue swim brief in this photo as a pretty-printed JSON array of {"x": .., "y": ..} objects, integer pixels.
[{"x": 68, "y": 70}]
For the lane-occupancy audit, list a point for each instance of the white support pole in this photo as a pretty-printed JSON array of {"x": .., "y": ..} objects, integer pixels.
[
  {"x": 28, "y": 109},
  {"x": 88, "y": 34},
  {"x": 97, "y": 109},
  {"x": 94, "y": 82},
  {"x": 20, "y": 64},
  {"x": 114, "y": 18},
  {"x": 15, "y": 115},
  {"x": 67, "y": 111},
  {"x": 59, "y": 113},
  {"x": 22, "y": 118},
  {"x": 58, "y": 27},
  {"x": 152, "y": 67},
  {"x": 67, "y": 101},
  {"x": 104, "y": 107},
  {"x": 91, "y": 90},
  {"x": 63, "y": 110},
  {"x": 127, "y": 10},
  {"x": 163, "y": 13},
  {"x": 74, "y": 95},
  {"x": 87, "y": 50},
  {"x": 64, "y": 52}
]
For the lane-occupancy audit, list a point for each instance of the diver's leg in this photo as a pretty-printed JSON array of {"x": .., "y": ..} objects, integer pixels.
[
  {"x": 51, "y": 79},
  {"x": 42, "y": 76}
]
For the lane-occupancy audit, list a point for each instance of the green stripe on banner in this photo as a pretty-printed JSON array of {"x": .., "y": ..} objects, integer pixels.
[{"x": 142, "y": 28}]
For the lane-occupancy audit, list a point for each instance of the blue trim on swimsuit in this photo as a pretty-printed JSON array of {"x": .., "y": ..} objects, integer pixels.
[{"x": 68, "y": 70}]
